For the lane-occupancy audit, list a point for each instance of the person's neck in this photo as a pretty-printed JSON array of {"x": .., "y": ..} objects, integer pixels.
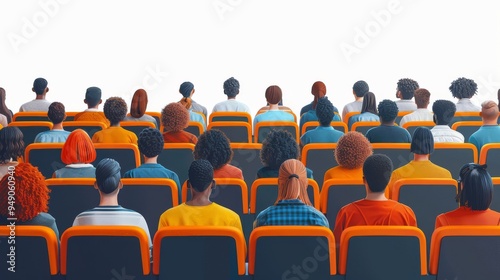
[
  {"x": 95, "y": 107},
  {"x": 380, "y": 196},
  {"x": 58, "y": 126},
  {"x": 115, "y": 124},
  {"x": 40, "y": 97},
  {"x": 357, "y": 98},
  {"x": 391, "y": 123},
  {"x": 274, "y": 107},
  {"x": 151, "y": 159},
  {"x": 199, "y": 199},
  {"x": 108, "y": 200},
  {"x": 231, "y": 98},
  {"x": 490, "y": 122},
  {"x": 422, "y": 107},
  {"x": 417, "y": 157}
]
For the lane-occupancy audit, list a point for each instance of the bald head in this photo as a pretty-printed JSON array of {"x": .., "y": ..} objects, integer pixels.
[{"x": 489, "y": 111}]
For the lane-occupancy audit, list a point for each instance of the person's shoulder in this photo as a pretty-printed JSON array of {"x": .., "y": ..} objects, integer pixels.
[{"x": 225, "y": 210}]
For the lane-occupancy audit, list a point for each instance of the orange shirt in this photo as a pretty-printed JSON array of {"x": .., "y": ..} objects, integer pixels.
[
  {"x": 373, "y": 213},
  {"x": 92, "y": 116},
  {"x": 228, "y": 171},
  {"x": 179, "y": 137},
  {"x": 340, "y": 172},
  {"x": 115, "y": 134},
  {"x": 463, "y": 216}
]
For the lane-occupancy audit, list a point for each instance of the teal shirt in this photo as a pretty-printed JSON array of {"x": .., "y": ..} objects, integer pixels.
[
  {"x": 311, "y": 116},
  {"x": 321, "y": 134},
  {"x": 52, "y": 136},
  {"x": 273, "y": 115},
  {"x": 195, "y": 117},
  {"x": 484, "y": 135},
  {"x": 152, "y": 170},
  {"x": 363, "y": 117}
]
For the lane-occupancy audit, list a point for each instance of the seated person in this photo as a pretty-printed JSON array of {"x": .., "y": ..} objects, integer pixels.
[
  {"x": 11, "y": 148},
  {"x": 444, "y": 111},
  {"x": 200, "y": 211},
  {"x": 194, "y": 116},
  {"x": 375, "y": 209},
  {"x": 187, "y": 90},
  {"x": 57, "y": 134},
  {"x": 150, "y": 146},
  {"x": 318, "y": 89},
  {"x": 92, "y": 113},
  {"x": 138, "y": 108},
  {"x": 109, "y": 212},
  {"x": 39, "y": 104},
  {"x": 405, "y": 91},
  {"x": 213, "y": 146},
  {"x": 422, "y": 145},
  {"x": 278, "y": 146},
  {"x": 273, "y": 97},
  {"x": 464, "y": 89},
  {"x": 368, "y": 111},
  {"x": 474, "y": 195},
  {"x": 359, "y": 89},
  {"x": 115, "y": 110},
  {"x": 292, "y": 207},
  {"x": 78, "y": 153},
  {"x": 231, "y": 89},
  {"x": 4, "y": 110},
  {"x": 31, "y": 198},
  {"x": 324, "y": 133},
  {"x": 422, "y": 97},
  {"x": 489, "y": 132},
  {"x": 351, "y": 152},
  {"x": 388, "y": 132},
  {"x": 175, "y": 118}
]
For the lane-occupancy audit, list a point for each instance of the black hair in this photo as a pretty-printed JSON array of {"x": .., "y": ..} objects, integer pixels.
[
  {"x": 369, "y": 103},
  {"x": 476, "y": 187},
  {"x": 150, "y": 142},
  {"x": 324, "y": 111},
  {"x": 3, "y": 107},
  {"x": 11, "y": 143},
  {"x": 387, "y": 111},
  {"x": 200, "y": 174},
  {"x": 107, "y": 175},
  {"x": 444, "y": 110},
  {"x": 377, "y": 171},
  {"x": 39, "y": 86},
  {"x": 278, "y": 146},
  {"x": 56, "y": 112},
  {"x": 213, "y": 145},
  {"x": 407, "y": 88},
  {"x": 422, "y": 142},
  {"x": 360, "y": 88},
  {"x": 463, "y": 88},
  {"x": 115, "y": 110},
  {"x": 231, "y": 87},
  {"x": 93, "y": 96}
]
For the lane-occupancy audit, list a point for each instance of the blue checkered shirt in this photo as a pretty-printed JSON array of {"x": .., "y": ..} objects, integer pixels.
[{"x": 291, "y": 212}]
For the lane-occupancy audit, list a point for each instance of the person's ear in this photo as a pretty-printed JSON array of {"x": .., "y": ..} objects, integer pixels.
[
  {"x": 46, "y": 90},
  {"x": 85, "y": 101},
  {"x": 398, "y": 94},
  {"x": 120, "y": 185},
  {"x": 33, "y": 89},
  {"x": 100, "y": 101},
  {"x": 434, "y": 119},
  {"x": 95, "y": 186}
]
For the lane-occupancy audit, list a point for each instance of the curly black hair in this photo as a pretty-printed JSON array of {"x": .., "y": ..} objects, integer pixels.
[
  {"x": 360, "y": 88},
  {"x": 444, "y": 110},
  {"x": 115, "y": 109},
  {"x": 324, "y": 111},
  {"x": 278, "y": 146},
  {"x": 213, "y": 145},
  {"x": 231, "y": 87},
  {"x": 56, "y": 113},
  {"x": 11, "y": 143},
  {"x": 150, "y": 142},
  {"x": 407, "y": 88},
  {"x": 387, "y": 110},
  {"x": 463, "y": 88}
]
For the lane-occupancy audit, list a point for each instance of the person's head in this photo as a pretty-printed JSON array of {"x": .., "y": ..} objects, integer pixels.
[
  {"x": 200, "y": 176},
  {"x": 11, "y": 144},
  {"x": 318, "y": 89},
  {"x": 213, "y": 145},
  {"x": 377, "y": 171},
  {"x": 31, "y": 193},
  {"x": 278, "y": 146},
  {"x": 324, "y": 111},
  {"x": 93, "y": 97},
  {"x": 443, "y": 110},
  {"x": 150, "y": 142},
  {"x": 475, "y": 187},
  {"x": 186, "y": 89},
  {"x": 406, "y": 88},
  {"x": 139, "y": 103},
  {"x": 174, "y": 117},
  {"x": 387, "y": 111},
  {"x": 56, "y": 112},
  {"x": 231, "y": 87},
  {"x": 489, "y": 111},
  {"x": 107, "y": 177},
  {"x": 3, "y": 107},
  {"x": 292, "y": 181},
  {"x": 40, "y": 86},
  {"x": 369, "y": 103},
  {"x": 78, "y": 148},
  {"x": 115, "y": 110},
  {"x": 422, "y": 97},
  {"x": 273, "y": 95},
  {"x": 422, "y": 142},
  {"x": 360, "y": 88},
  {"x": 463, "y": 88},
  {"x": 352, "y": 150}
]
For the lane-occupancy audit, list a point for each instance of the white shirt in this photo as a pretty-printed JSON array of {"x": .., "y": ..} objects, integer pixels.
[
  {"x": 465, "y": 105},
  {"x": 231, "y": 105},
  {"x": 443, "y": 133},
  {"x": 37, "y": 105},
  {"x": 3, "y": 120},
  {"x": 354, "y": 106},
  {"x": 405, "y": 105},
  {"x": 417, "y": 115}
]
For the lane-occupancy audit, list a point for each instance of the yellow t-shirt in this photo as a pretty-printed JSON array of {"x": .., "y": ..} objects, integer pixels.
[
  {"x": 210, "y": 215},
  {"x": 114, "y": 134}
]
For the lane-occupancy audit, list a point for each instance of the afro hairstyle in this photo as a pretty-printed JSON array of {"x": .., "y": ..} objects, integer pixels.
[
  {"x": 231, "y": 87},
  {"x": 444, "y": 110},
  {"x": 463, "y": 88},
  {"x": 360, "y": 88},
  {"x": 377, "y": 171},
  {"x": 200, "y": 174},
  {"x": 407, "y": 88},
  {"x": 324, "y": 111},
  {"x": 56, "y": 113},
  {"x": 278, "y": 146},
  {"x": 115, "y": 110},
  {"x": 387, "y": 111},
  {"x": 150, "y": 142},
  {"x": 174, "y": 117},
  {"x": 352, "y": 150},
  {"x": 213, "y": 145}
]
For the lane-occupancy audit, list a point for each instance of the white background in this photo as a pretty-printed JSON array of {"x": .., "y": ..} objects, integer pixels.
[{"x": 120, "y": 46}]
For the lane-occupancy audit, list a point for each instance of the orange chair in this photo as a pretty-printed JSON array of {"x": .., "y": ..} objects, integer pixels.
[
  {"x": 177, "y": 157},
  {"x": 467, "y": 128},
  {"x": 401, "y": 115},
  {"x": 495, "y": 203},
  {"x": 45, "y": 156},
  {"x": 319, "y": 158},
  {"x": 338, "y": 125},
  {"x": 237, "y": 132},
  {"x": 30, "y": 116},
  {"x": 261, "y": 129},
  {"x": 30, "y": 129},
  {"x": 126, "y": 154},
  {"x": 453, "y": 156},
  {"x": 104, "y": 252},
  {"x": 90, "y": 127},
  {"x": 70, "y": 116},
  {"x": 219, "y": 251},
  {"x": 490, "y": 155},
  {"x": 246, "y": 156},
  {"x": 382, "y": 252},
  {"x": 230, "y": 116},
  {"x": 274, "y": 251},
  {"x": 136, "y": 126},
  {"x": 399, "y": 153},
  {"x": 35, "y": 254},
  {"x": 364, "y": 126},
  {"x": 465, "y": 252},
  {"x": 465, "y": 116},
  {"x": 411, "y": 126},
  {"x": 195, "y": 128},
  {"x": 349, "y": 115}
]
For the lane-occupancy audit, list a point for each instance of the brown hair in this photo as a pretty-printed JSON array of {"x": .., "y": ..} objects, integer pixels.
[
  {"x": 174, "y": 117},
  {"x": 139, "y": 103},
  {"x": 422, "y": 97},
  {"x": 352, "y": 150},
  {"x": 292, "y": 181}
]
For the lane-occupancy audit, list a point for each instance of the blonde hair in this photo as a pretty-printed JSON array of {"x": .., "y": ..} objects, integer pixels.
[
  {"x": 292, "y": 181},
  {"x": 489, "y": 110}
]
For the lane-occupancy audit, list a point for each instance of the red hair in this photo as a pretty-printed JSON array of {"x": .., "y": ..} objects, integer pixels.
[
  {"x": 31, "y": 193},
  {"x": 78, "y": 148},
  {"x": 139, "y": 103},
  {"x": 292, "y": 181}
]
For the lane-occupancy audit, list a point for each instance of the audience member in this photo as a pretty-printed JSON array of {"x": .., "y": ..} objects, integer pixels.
[
  {"x": 489, "y": 132},
  {"x": 193, "y": 116},
  {"x": 464, "y": 89},
  {"x": 351, "y": 152},
  {"x": 474, "y": 195},
  {"x": 388, "y": 132},
  {"x": 405, "y": 91},
  {"x": 359, "y": 89},
  {"x": 231, "y": 89},
  {"x": 3, "y": 108},
  {"x": 115, "y": 110},
  {"x": 138, "y": 108},
  {"x": 39, "y": 104},
  {"x": 78, "y": 153},
  {"x": 92, "y": 113},
  {"x": 368, "y": 111},
  {"x": 56, "y": 114},
  {"x": 292, "y": 207},
  {"x": 187, "y": 90},
  {"x": 11, "y": 148},
  {"x": 273, "y": 97},
  {"x": 175, "y": 118},
  {"x": 422, "y": 97},
  {"x": 324, "y": 133},
  {"x": 444, "y": 111},
  {"x": 318, "y": 90},
  {"x": 213, "y": 145}
]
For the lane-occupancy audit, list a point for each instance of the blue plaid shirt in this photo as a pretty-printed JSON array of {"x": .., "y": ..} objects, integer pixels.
[{"x": 292, "y": 212}]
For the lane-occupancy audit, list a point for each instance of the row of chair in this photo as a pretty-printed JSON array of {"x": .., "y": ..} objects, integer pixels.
[{"x": 274, "y": 252}]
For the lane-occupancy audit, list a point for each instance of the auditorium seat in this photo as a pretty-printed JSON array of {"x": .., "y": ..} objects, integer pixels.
[
  {"x": 30, "y": 129},
  {"x": 246, "y": 156},
  {"x": 262, "y": 129},
  {"x": 412, "y": 125},
  {"x": 236, "y": 132},
  {"x": 319, "y": 158},
  {"x": 467, "y": 128},
  {"x": 230, "y": 116},
  {"x": 90, "y": 127},
  {"x": 363, "y": 126},
  {"x": 30, "y": 116},
  {"x": 490, "y": 155},
  {"x": 338, "y": 125}
]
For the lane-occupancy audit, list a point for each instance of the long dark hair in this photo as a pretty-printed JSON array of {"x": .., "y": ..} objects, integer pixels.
[
  {"x": 3, "y": 107},
  {"x": 369, "y": 103}
]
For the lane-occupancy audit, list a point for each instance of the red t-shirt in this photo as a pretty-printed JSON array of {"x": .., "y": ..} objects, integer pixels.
[
  {"x": 464, "y": 216},
  {"x": 179, "y": 137},
  {"x": 228, "y": 171}
]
